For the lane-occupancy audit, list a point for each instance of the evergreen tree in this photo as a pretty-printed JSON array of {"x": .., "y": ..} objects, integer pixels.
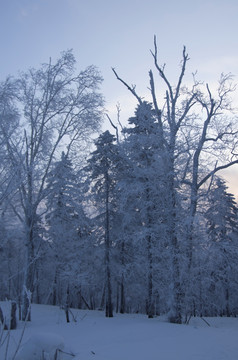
[
  {"x": 103, "y": 168},
  {"x": 144, "y": 192},
  {"x": 66, "y": 220},
  {"x": 222, "y": 230}
]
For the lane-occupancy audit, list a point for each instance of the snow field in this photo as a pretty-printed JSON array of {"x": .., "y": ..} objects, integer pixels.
[{"x": 125, "y": 337}]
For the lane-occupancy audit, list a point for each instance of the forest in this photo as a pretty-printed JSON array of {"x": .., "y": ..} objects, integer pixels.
[{"x": 136, "y": 220}]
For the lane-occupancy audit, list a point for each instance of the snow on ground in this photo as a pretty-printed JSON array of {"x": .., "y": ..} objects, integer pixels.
[{"x": 131, "y": 337}]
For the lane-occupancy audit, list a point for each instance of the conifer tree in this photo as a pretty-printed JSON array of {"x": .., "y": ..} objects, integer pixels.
[
  {"x": 66, "y": 219},
  {"x": 103, "y": 170},
  {"x": 145, "y": 189},
  {"x": 222, "y": 230}
]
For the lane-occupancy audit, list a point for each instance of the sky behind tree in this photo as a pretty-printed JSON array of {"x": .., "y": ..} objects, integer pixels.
[{"x": 119, "y": 34}]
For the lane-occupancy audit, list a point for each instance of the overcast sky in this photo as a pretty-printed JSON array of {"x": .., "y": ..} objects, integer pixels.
[{"x": 119, "y": 34}]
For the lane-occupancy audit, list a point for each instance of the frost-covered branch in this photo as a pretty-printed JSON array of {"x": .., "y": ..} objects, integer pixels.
[{"x": 132, "y": 89}]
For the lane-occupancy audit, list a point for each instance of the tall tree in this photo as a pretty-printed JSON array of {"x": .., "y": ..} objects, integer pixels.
[
  {"x": 9, "y": 128},
  {"x": 103, "y": 170},
  {"x": 58, "y": 109},
  {"x": 66, "y": 219},
  {"x": 222, "y": 229},
  {"x": 184, "y": 134},
  {"x": 144, "y": 188}
]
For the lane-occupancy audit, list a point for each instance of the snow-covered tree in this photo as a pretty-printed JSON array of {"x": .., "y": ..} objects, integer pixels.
[
  {"x": 192, "y": 122},
  {"x": 58, "y": 110},
  {"x": 144, "y": 194},
  {"x": 66, "y": 220},
  {"x": 103, "y": 169},
  {"x": 222, "y": 230}
]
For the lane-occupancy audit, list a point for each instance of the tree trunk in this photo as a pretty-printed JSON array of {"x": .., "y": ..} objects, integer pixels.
[
  {"x": 54, "y": 292},
  {"x": 149, "y": 303},
  {"x": 102, "y": 302},
  {"x": 122, "y": 295},
  {"x": 122, "y": 286},
  {"x": 29, "y": 275},
  {"x": 37, "y": 290},
  {"x": 66, "y": 307},
  {"x": 19, "y": 308},
  {"x": 176, "y": 291},
  {"x": 109, "y": 307},
  {"x": 117, "y": 298},
  {"x": 13, "y": 321},
  {"x": 228, "y": 311},
  {"x": 2, "y": 319}
]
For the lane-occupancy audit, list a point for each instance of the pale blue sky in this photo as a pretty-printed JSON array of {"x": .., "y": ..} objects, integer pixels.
[{"x": 119, "y": 34}]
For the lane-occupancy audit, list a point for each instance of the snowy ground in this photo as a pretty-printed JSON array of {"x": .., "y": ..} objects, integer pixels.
[{"x": 131, "y": 337}]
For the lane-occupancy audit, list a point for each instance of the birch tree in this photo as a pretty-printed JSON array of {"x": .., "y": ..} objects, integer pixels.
[{"x": 59, "y": 110}]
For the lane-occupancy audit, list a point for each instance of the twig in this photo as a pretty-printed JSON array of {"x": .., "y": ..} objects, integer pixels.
[
  {"x": 64, "y": 352},
  {"x": 205, "y": 321},
  {"x": 74, "y": 318}
]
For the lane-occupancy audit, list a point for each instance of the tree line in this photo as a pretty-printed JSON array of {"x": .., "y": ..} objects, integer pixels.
[{"x": 139, "y": 221}]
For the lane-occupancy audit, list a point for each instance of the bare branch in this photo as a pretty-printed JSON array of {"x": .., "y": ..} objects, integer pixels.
[
  {"x": 157, "y": 110},
  {"x": 168, "y": 110},
  {"x": 161, "y": 69},
  {"x": 215, "y": 170},
  {"x": 184, "y": 62},
  {"x": 209, "y": 93},
  {"x": 221, "y": 135},
  {"x": 114, "y": 126},
  {"x": 131, "y": 89},
  {"x": 189, "y": 104},
  {"x": 118, "y": 116}
]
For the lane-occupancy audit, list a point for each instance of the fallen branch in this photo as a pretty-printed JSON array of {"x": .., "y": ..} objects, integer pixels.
[{"x": 205, "y": 321}]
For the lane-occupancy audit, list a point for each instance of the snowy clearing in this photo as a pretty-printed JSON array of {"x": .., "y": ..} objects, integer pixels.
[{"x": 127, "y": 337}]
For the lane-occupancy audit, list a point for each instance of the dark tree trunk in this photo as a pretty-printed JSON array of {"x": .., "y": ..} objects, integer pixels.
[
  {"x": 19, "y": 308},
  {"x": 66, "y": 308},
  {"x": 2, "y": 319},
  {"x": 13, "y": 322},
  {"x": 117, "y": 298},
  {"x": 79, "y": 297},
  {"x": 29, "y": 276},
  {"x": 228, "y": 312},
  {"x": 149, "y": 303},
  {"x": 109, "y": 307},
  {"x": 122, "y": 282},
  {"x": 122, "y": 302},
  {"x": 54, "y": 293},
  {"x": 103, "y": 298},
  {"x": 37, "y": 288}
]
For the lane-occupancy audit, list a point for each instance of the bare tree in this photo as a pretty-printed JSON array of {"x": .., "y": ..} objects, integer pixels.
[
  {"x": 59, "y": 110},
  {"x": 216, "y": 139}
]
